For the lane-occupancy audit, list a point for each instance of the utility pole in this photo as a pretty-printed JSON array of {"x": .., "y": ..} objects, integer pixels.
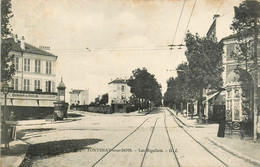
[{"x": 256, "y": 79}]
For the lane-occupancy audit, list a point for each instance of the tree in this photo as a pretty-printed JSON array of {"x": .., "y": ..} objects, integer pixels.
[
  {"x": 144, "y": 86},
  {"x": 104, "y": 99},
  {"x": 205, "y": 65},
  {"x": 246, "y": 25},
  {"x": 179, "y": 92},
  {"x": 7, "y": 68}
]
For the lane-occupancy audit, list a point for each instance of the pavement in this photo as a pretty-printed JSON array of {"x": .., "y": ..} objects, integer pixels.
[
  {"x": 37, "y": 132},
  {"x": 245, "y": 148},
  {"x": 18, "y": 148}
]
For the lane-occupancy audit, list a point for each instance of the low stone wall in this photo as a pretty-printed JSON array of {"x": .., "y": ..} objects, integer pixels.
[
  {"x": 99, "y": 109},
  {"x": 28, "y": 112}
]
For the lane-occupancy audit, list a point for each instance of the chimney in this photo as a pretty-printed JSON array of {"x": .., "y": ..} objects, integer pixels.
[
  {"x": 22, "y": 43},
  {"x": 16, "y": 38}
]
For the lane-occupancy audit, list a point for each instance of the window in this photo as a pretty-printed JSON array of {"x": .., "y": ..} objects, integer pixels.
[
  {"x": 230, "y": 49},
  {"x": 37, "y": 84},
  {"x": 48, "y": 86},
  {"x": 16, "y": 63},
  {"x": 229, "y": 94},
  {"x": 48, "y": 67},
  {"x": 236, "y": 94},
  {"x": 53, "y": 87},
  {"x": 123, "y": 88},
  {"x": 26, "y": 85},
  {"x": 12, "y": 83},
  {"x": 27, "y": 64},
  {"x": 16, "y": 84},
  {"x": 37, "y": 66}
]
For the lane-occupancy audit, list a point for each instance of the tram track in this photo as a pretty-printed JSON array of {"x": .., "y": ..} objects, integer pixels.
[
  {"x": 147, "y": 146},
  {"x": 170, "y": 141},
  {"x": 148, "y": 143},
  {"x": 120, "y": 142},
  {"x": 180, "y": 126}
]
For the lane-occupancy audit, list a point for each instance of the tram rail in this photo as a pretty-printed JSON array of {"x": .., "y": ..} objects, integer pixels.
[{"x": 178, "y": 123}]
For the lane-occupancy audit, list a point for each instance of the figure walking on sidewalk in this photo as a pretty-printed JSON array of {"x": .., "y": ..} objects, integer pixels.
[{"x": 222, "y": 122}]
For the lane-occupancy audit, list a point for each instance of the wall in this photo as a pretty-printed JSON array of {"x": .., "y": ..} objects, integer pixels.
[{"x": 99, "y": 109}]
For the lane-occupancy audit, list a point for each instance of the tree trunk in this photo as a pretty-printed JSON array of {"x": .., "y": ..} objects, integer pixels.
[
  {"x": 200, "y": 108},
  {"x": 256, "y": 80}
]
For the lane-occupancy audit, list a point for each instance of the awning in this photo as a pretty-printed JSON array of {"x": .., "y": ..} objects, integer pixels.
[{"x": 211, "y": 96}]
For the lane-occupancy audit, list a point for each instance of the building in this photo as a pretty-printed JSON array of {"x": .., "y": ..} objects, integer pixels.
[
  {"x": 238, "y": 83},
  {"x": 118, "y": 94},
  {"x": 33, "y": 89},
  {"x": 79, "y": 97}
]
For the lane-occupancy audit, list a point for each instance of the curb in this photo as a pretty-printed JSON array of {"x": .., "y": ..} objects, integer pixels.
[
  {"x": 234, "y": 152},
  {"x": 179, "y": 118},
  {"x": 150, "y": 111}
]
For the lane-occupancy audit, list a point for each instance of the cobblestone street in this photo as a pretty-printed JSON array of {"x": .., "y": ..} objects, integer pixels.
[{"x": 120, "y": 140}]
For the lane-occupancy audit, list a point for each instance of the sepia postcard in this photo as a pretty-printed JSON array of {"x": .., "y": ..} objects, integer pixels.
[{"x": 122, "y": 83}]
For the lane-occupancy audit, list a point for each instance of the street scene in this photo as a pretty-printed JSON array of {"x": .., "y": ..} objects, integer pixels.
[
  {"x": 138, "y": 139},
  {"x": 130, "y": 83}
]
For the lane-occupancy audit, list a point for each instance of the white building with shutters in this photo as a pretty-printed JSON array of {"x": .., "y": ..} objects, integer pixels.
[{"x": 33, "y": 87}]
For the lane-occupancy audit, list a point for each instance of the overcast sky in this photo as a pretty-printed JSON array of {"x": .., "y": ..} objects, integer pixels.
[{"x": 122, "y": 35}]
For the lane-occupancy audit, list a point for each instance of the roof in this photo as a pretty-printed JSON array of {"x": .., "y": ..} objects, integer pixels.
[
  {"x": 119, "y": 81},
  {"x": 232, "y": 36},
  {"x": 61, "y": 85},
  {"x": 28, "y": 48},
  {"x": 236, "y": 35},
  {"x": 212, "y": 28},
  {"x": 74, "y": 91}
]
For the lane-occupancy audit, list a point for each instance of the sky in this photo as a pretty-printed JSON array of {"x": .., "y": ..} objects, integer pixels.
[{"x": 121, "y": 35}]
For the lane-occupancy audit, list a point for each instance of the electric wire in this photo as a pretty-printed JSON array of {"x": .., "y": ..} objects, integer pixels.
[
  {"x": 219, "y": 6},
  {"x": 177, "y": 27},
  {"x": 189, "y": 20},
  {"x": 178, "y": 22}
]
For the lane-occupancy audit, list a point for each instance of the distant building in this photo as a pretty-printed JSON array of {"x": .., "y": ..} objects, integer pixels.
[
  {"x": 33, "y": 89},
  {"x": 79, "y": 97},
  {"x": 118, "y": 95}
]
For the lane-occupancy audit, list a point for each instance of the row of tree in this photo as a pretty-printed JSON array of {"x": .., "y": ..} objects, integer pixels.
[
  {"x": 204, "y": 59},
  {"x": 202, "y": 71}
]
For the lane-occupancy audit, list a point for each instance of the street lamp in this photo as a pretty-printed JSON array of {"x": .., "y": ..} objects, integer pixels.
[{"x": 4, "y": 126}]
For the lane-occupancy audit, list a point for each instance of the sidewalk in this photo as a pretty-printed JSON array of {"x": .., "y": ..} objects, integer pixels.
[
  {"x": 15, "y": 155},
  {"x": 245, "y": 149},
  {"x": 18, "y": 149}
]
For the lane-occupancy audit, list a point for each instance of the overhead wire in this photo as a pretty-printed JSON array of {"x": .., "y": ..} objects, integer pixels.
[
  {"x": 189, "y": 21},
  {"x": 172, "y": 44},
  {"x": 178, "y": 21},
  {"x": 141, "y": 48},
  {"x": 219, "y": 6}
]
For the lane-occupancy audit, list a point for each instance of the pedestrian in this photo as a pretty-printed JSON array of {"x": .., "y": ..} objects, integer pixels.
[
  {"x": 222, "y": 122},
  {"x": 13, "y": 127}
]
